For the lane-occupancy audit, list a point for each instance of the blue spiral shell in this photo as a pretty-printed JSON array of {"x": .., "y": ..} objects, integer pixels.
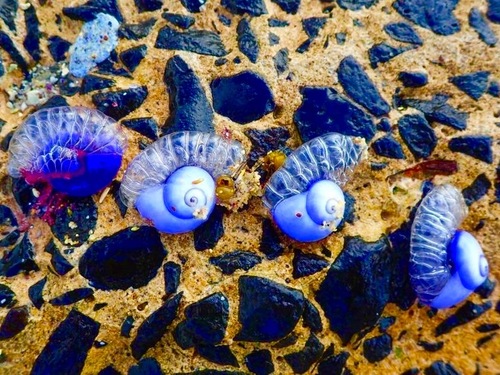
[
  {"x": 304, "y": 195},
  {"x": 171, "y": 182},
  {"x": 446, "y": 264},
  {"x": 77, "y": 150}
]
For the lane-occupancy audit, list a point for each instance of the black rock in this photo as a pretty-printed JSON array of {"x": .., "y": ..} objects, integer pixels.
[
  {"x": 202, "y": 42},
  {"x": 307, "y": 264},
  {"x": 35, "y": 293},
  {"x": 72, "y": 296},
  {"x": 127, "y": 325},
  {"x": 479, "y": 23},
  {"x": 431, "y": 346},
  {"x": 132, "y": 57},
  {"x": 383, "y": 52},
  {"x": 477, "y": 146},
  {"x": 68, "y": 345},
  {"x": 478, "y": 189},
  {"x": 220, "y": 61},
  {"x": 148, "y": 5},
  {"x": 302, "y": 360},
  {"x": 109, "y": 370},
  {"x": 377, "y": 348},
  {"x": 194, "y": 6},
  {"x": 360, "y": 87},
  {"x": 147, "y": 126},
  {"x": 403, "y": 32},
  {"x": 333, "y": 364},
  {"x": 136, "y": 31},
  {"x": 14, "y": 322},
  {"x": 412, "y": 371},
  {"x": 274, "y": 22},
  {"x": 418, "y": 135},
  {"x": 473, "y": 84},
  {"x": 4, "y": 144},
  {"x": 128, "y": 258},
  {"x": 92, "y": 83},
  {"x": 281, "y": 61},
  {"x": 435, "y": 16},
  {"x": 268, "y": 311},
  {"x": 441, "y": 368},
  {"x": 244, "y": 97},
  {"x": 179, "y": 20},
  {"x": 155, "y": 326},
  {"x": 146, "y": 366},
  {"x": 32, "y": 40},
  {"x": 205, "y": 323},
  {"x": 466, "y": 313},
  {"x": 357, "y": 286},
  {"x": 493, "y": 12},
  {"x": 211, "y": 231},
  {"x": 311, "y": 317},
  {"x": 99, "y": 306},
  {"x": 172, "y": 277},
  {"x": 485, "y": 290},
  {"x": 58, "y": 261},
  {"x": 20, "y": 259},
  {"x": 313, "y": 25},
  {"x": 264, "y": 141},
  {"x": 484, "y": 339},
  {"x": 10, "y": 234},
  {"x": 413, "y": 79},
  {"x": 252, "y": 7},
  {"x": 385, "y": 322},
  {"x": 7, "y": 296},
  {"x": 8, "y": 13},
  {"x": 8, "y": 45},
  {"x": 190, "y": 109},
  {"x": 236, "y": 260},
  {"x": 115, "y": 192},
  {"x": 488, "y": 327},
  {"x": 270, "y": 243},
  {"x": 247, "y": 40},
  {"x": 118, "y": 104},
  {"x": 356, "y": 4},
  {"x": 221, "y": 354},
  {"x": 226, "y": 21},
  {"x": 388, "y": 146},
  {"x": 494, "y": 89},
  {"x": 289, "y": 6},
  {"x": 340, "y": 38},
  {"x": 289, "y": 340},
  {"x": 55, "y": 101},
  {"x": 260, "y": 362},
  {"x": 89, "y": 10},
  {"x": 497, "y": 185}
]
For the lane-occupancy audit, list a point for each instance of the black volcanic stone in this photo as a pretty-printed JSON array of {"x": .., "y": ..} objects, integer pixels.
[
  {"x": 289, "y": 6},
  {"x": 172, "y": 277},
  {"x": 127, "y": 325},
  {"x": 388, "y": 146},
  {"x": 264, "y": 141},
  {"x": 418, "y": 135},
  {"x": 132, "y": 57},
  {"x": 307, "y": 264},
  {"x": 146, "y": 366},
  {"x": 10, "y": 234},
  {"x": 148, "y": 5},
  {"x": 437, "y": 17},
  {"x": 115, "y": 192},
  {"x": 385, "y": 322},
  {"x": 221, "y": 354},
  {"x": 179, "y": 20},
  {"x": 147, "y": 126},
  {"x": 333, "y": 364},
  {"x": 473, "y": 84},
  {"x": 202, "y": 42},
  {"x": 355, "y": 4},
  {"x": 313, "y": 25},
  {"x": 205, "y": 323},
  {"x": 89, "y": 10},
  {"x": 289, "y": 340},
  {"x": 493, "y": 12},
  {"x": 247, "y": 40},
  {"x": 281, "y": 61},
  {"x": 128, "y": 258},
  {"x": 377, "y": 348},
  {"x": 20, "y": 259},
  {"x": 189, "y": 107},
  {"x": 324, "y": 110},
  {"x": 478, "y": 189},
  {"x": 494, "y": 89},
  {"x": 194, "y": 6},
  {"x": 268, "y": 311},
  {"x": 229, "y": 263},
  {"x": 55, "y": 101},
  {"x": 357, "y": 286},
  {"x": 8, "y": 13},
  {"x": 244, "y": 97},
  {"x": 274, "y": 22},
  {"x": 8, "y": 46},
  {"x": 413, "y": 79},
  {"x": 270, "y": 244},
  {"x": 488, "y": 327},
  {"x": 155, "y": 326},
  {"x": 32, "y": 40},
  {"x": 302, "y": 360},
  {"x": 383, "y": 52},
  {"x": 360, "y": 87},
  {"x": 35, "y": 293},
  {"x": 72, "y": 296},
  {"x": 260, "y": 362},
  {"x": 109, "y": 370},
  {"x": 118, "y": 104},
  {"x": 273, "y": 39},
  {"x": 479, "y": 23},
  {"x": 14, "y": 322},
  {"x": 441, "y": 368},
  {"x": 211, "y": 231},
  {"x": 112, "y": 67},
  {"x": 251, "y": 7},
  {"x": 92, "y": 83},
  {"x": 7, "y": 296},
  {"x": 463, "y": 315},
  {"x": 68, "y": 345},
  {"x": 486, "y": 288},
  {"x": 431, "y": 346},
  {"x": 58, "y": 261},
  {"x": 477, "y": 146},
  {"x": 403, "y": 32},
  {"x": 311, "y": 317},
  {"x": 136, "y": 31}
]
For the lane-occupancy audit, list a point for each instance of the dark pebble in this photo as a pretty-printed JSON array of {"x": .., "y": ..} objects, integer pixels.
[
  {"x": 289, "y": 6},
  {"x": 431, "y": 346},
  {"x": 473, "y": 84},
  {"x": 194, "y": 6},
  {"x": 440, "y": 19},
  {"x": 236, "y": 260},
  {"x": 413, "y": 79},
  {"x": 92, "y": 83},
  {"x": 89, "y": 10},
  {"x": 115, "y": 192},
  {"x": 68, "y": 85},
  {"x": 388, "y": 146},
  {"x": 100, "y": 344},
  {"x": 237, "y": 60},
  {"x": 273, "y": 40},
  {"x": 247, "y": 40},
  {"x": 14, "y": 322},
  {"x": 146, "y": 366},
  {"x": 127, "y": 325},
  {"x": 8, "y": 45},
  {"x": 488, "y": 327},
  {"x": 172, "y": 277},
  {"x": 72, "y": 296},
  {"x": 244, "y": 97},
  {"x": 281, "y": 61},
  {"x": 8, "y": 13},
  {"x": 370, "y": 263},
  {"x": 333, "y": 364},
  {"x": 222, "y": 354},
  {"x": 479, "y": 23},
  {"x": 311, "y": 317},
  {"x": 8, "y": 223},
  {"x": 58, "y": 261},
  {"x": 260, "y": 362},
  {"x": 7, "y": 296},
  {"x": 264, "y": 141},
  {"x": 374, "y": 166},
  {"x": 220, "y": 61},
  {"x": 100, "y": 306},
  {"x": 128, "y": 258},
  {"x": 189, "y": 107},
  {"x": 340, "y": 38},
  {"x": 109, "y": 370},
  {"x": 312, "y": 26},
  {"x": 302, "y": 360},
  {"x": 493, "y": 12},
  {"x": 485, "y": 290},
  {"x": 55, "y": 101},
  {"x": 497, "y": 185},
  {"x": 324, "y": 110},
  {"x": 148, "y": 5},
  {"x": 226, "y": 21},
  {"x": 202, "y": 42},
  {"x": 270, "y": 244},
  {"x": 118, "y": 104},
  {"x": 251, "y": 7},
  {"x": 440, "y": 368},
  {"x": 10, "y": 238},
  {"x": 463, "y": 315},
  {"x": 478, "y": 189},
  {"x": 179, "y": 20},
  {"x": 289, "y": 340},
  {"x": 383, "y": 52},
  {"x": 112, "y": 67},
  {"x": 418, "y": 135},
  {"x": 20, "y": 259},
  {"x": 35, "y": 293},
  {"x": 412, "y": 371},
  {"x": 356, "y": 4},
  {"x": 132, "y": 57},
  {"x": 268, "y": 311},
  {"x": 385, "y": 322},
  {"x": 477, "y": 146},
  {"x": 307, "y": 264},
  {"x": 403, "y": 32},
  {"x": 147, "y": 126},
  {"x": 483, "y": 340},
  {"x": 360, "y": 87},
  {"x": 274, "y": 22},
  {"x": 67, "y": 347},
  {"x": 4, "y": 144},
  {"x": 494, "y": 89},
  {"x": 136, "y": 31},
  {"x": 32, "y": 40},
  {"x": 205, "y": 323},
  {"x": 155, "y": 326},
  {"x": 208, "y": 234},
  {"x": 377, "y": 348}
]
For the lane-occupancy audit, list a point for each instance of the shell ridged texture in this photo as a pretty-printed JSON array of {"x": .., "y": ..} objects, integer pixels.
[{"x": 436, "y": 220}]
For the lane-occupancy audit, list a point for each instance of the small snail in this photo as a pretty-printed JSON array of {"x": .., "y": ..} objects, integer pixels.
[
  {"x": 173, "y": 181},
  {"x": 75, "y": 150},
  {"x": 304, "y": 194},
  {"x": 446, "y": 264}
]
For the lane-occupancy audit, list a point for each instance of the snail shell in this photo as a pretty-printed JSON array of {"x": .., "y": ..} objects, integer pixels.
[
  {"x": 172, "y": 181},
  {"x": 446, "y": 264},
  {"x": 76, "y": 150},
  {"x": 305, "y": 195}
]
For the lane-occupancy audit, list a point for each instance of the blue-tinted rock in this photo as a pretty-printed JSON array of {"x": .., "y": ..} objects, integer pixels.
[
  {"x": 229, "y": 263},
  {"x": 360, "y": 87},
  {"x": 221, "y": 354},
  {"x": 205, "y": 323},
  {"x": 128, "y": 258},
  {"x": 477, "y": 146},
  {"x": 431, "y": 346},
  {"x": 172, "y": 277},
  {"x": 273, "y": 40},
  {"x": 148, "y": 5},
  {"x": 463, "y": 315},
  {"x": 111, "y": 67},
  {"x": 92, "y": 83},
  {"x": 9, "y": 47},
  {"x": 281, "y": 60},
  {"x": 8, "y": 13},
  {"x": 115, "y": 192},
  {"x": 383, "y": 52},
  {"x": 356, "y": 4},
  {"x": 340, "y": 38},
  {"x": 118, "y": 104},
  {"x": 302, "y": 360},
  {"x": 497, "y": 185},
  {"x": 146, "y": 366},
  {"x": 132, "y": 57},
  {"x": 289, "y": 6},
  {"x": 413, "y": 79},
  {"x": 202, "y": 42},
  {"x": 494, "y": 89},
  {"x": 55, "y": 101},
  {"x": 479, "y": 23},
  {"x": 360, "y": 276},
  {"x": 435, "y": 15},
  {"x": 274, "y": 22},
  {"x": 418, "y": 135},
  {"x": 268, "y": 311},
  {"x": 478, "y": 189},
  {"x": 179, "y": 20},
  {"x": 20, "y": 259},
  {"x": 307, "y": 264},
  {"x": 237, "y": 60},
  {"x": 136, "y": 31},
  {"x": 441, "y": 368},
  {"x": 260, "y": 362},
  {"x": 14, "y": 322},
  {"x": 68, "y": 345},
  {"x": 89, "y": 10},
  {"x": 493, "y": 12},
  {"x": 189, "y": 107},
  {"x": 226, "y": 21},
  {"x": 127, "y": 326},
  {"x": 220, "y": 61},
  {"x": 155, "y": 326},
  {"x": 8, "y": 223},
  {"x": 244, "y": 97},
  {"x": 270, "y": 244},
  {"x": 312, "y": 26},
  {"x": 289, "y": 340},
  {"x": 485, "y": 290},
  {"x": 388, "y": 146},
  {"x": 247, "y": 40},
  {"x": 377, "y": 348},
  {"x": 385, "y": 322},
  {"x": 35, "y": 293},
  {"x": 311, "y": 317},
  {"x": 147, "y": 126},
  {"x": 194, "y": 6},
  {"x": 403, "y": 32},
  {"x": 251, "y": 7},
  {"x": 58, "y": 261},
  {"x": 7, "y": 296},
  {"x": 71, "y": 297},
  {"x": 109, "y": 370},
  {"x": 264, "y": 141},
  {"x": 32, "y": 40},
  {"x": 210, "y": 232},
  {"x": 324, "y": 110},
  {"x": 334, "y": 364},
  {"x": 473, "y": 84}
]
